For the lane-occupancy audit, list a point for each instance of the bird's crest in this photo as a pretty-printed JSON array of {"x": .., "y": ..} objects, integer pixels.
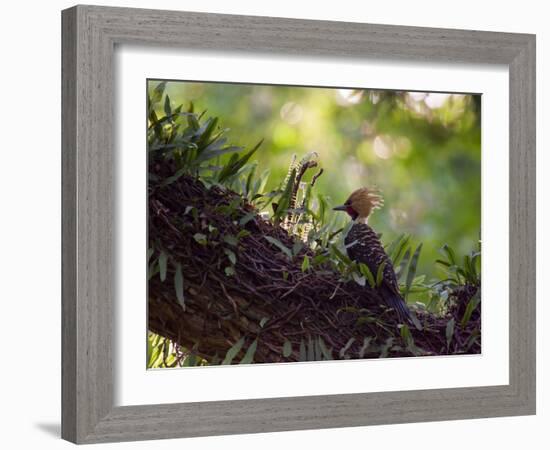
[{"x": 365, "y": 200}]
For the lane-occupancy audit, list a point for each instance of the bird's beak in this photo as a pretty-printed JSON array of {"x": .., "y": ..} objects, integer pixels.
[{"x": 340, "y": 208}]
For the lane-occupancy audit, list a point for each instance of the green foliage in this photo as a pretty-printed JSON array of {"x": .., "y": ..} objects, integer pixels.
[
  {"x": 345, "y": 348},
  {"x": 457, "y": 274},
  {"x": 248, "y": 357},
  {"x": 412, "y": 270},
  {"x": 233, "y": 351},
  {"x": 364, "y": 269},
  {"x": 287, "y": 348},
  {"x": 200, "y": 238},
  {"x": 408, "y": 339},
  {"x": 314, "y": 349},
  {"x": 450, "y": 331},
  {"x": 163, "y": 353},
  {"x": 422, "y": 150},
  {"x": 178, "y": 284},
  {"x": 470, "y": 307},
  {"x": 305, "y": 264},
  {"x": 197, "y": 146},
  {"x": 179, "y": 137},
  {"x": 163, "y": 261},
  {"x": 380, "y": 274},
  {"x": 282, "y": 247}
]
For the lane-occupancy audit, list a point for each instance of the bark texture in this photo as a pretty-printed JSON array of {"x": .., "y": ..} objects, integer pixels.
[{"x": 265, "y": 296}]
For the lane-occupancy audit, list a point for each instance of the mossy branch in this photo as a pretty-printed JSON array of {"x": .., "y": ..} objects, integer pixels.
[{"x": 240, "y": 288}]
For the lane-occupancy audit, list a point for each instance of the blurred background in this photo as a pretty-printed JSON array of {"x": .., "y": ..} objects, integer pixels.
[{"x": 422, "y": 150}]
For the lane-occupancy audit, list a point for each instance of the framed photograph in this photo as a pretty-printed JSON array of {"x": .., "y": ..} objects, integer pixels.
[{"x": 267, "y": 229}]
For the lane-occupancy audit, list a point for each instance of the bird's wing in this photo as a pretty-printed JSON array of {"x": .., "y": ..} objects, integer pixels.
[{"x": 364, "y": 246}]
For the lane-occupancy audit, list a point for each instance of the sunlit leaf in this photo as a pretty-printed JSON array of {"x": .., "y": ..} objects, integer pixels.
[
  {"x": 305, "y": 264},
  {"x": 236, "y": 163}
]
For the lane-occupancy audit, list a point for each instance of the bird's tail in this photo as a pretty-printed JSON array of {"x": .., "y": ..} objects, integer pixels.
[{"x": 396, "y": 302}]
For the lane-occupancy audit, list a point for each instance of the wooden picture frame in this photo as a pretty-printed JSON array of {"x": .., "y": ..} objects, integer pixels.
[{"x": 90, "y": 34}]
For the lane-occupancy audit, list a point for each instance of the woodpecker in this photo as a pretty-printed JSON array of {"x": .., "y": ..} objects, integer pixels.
[{"x": 363, "y": 246}]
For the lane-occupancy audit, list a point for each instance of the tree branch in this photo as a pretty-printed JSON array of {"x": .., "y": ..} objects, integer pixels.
[{"x": 265, "y": 296}]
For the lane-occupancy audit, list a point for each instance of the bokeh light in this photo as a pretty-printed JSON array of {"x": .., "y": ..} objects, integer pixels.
[{"x": 422, "y": 149}]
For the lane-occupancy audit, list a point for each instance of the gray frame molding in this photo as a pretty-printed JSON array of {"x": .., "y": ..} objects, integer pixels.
[{"x": 89, "y": 36}]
